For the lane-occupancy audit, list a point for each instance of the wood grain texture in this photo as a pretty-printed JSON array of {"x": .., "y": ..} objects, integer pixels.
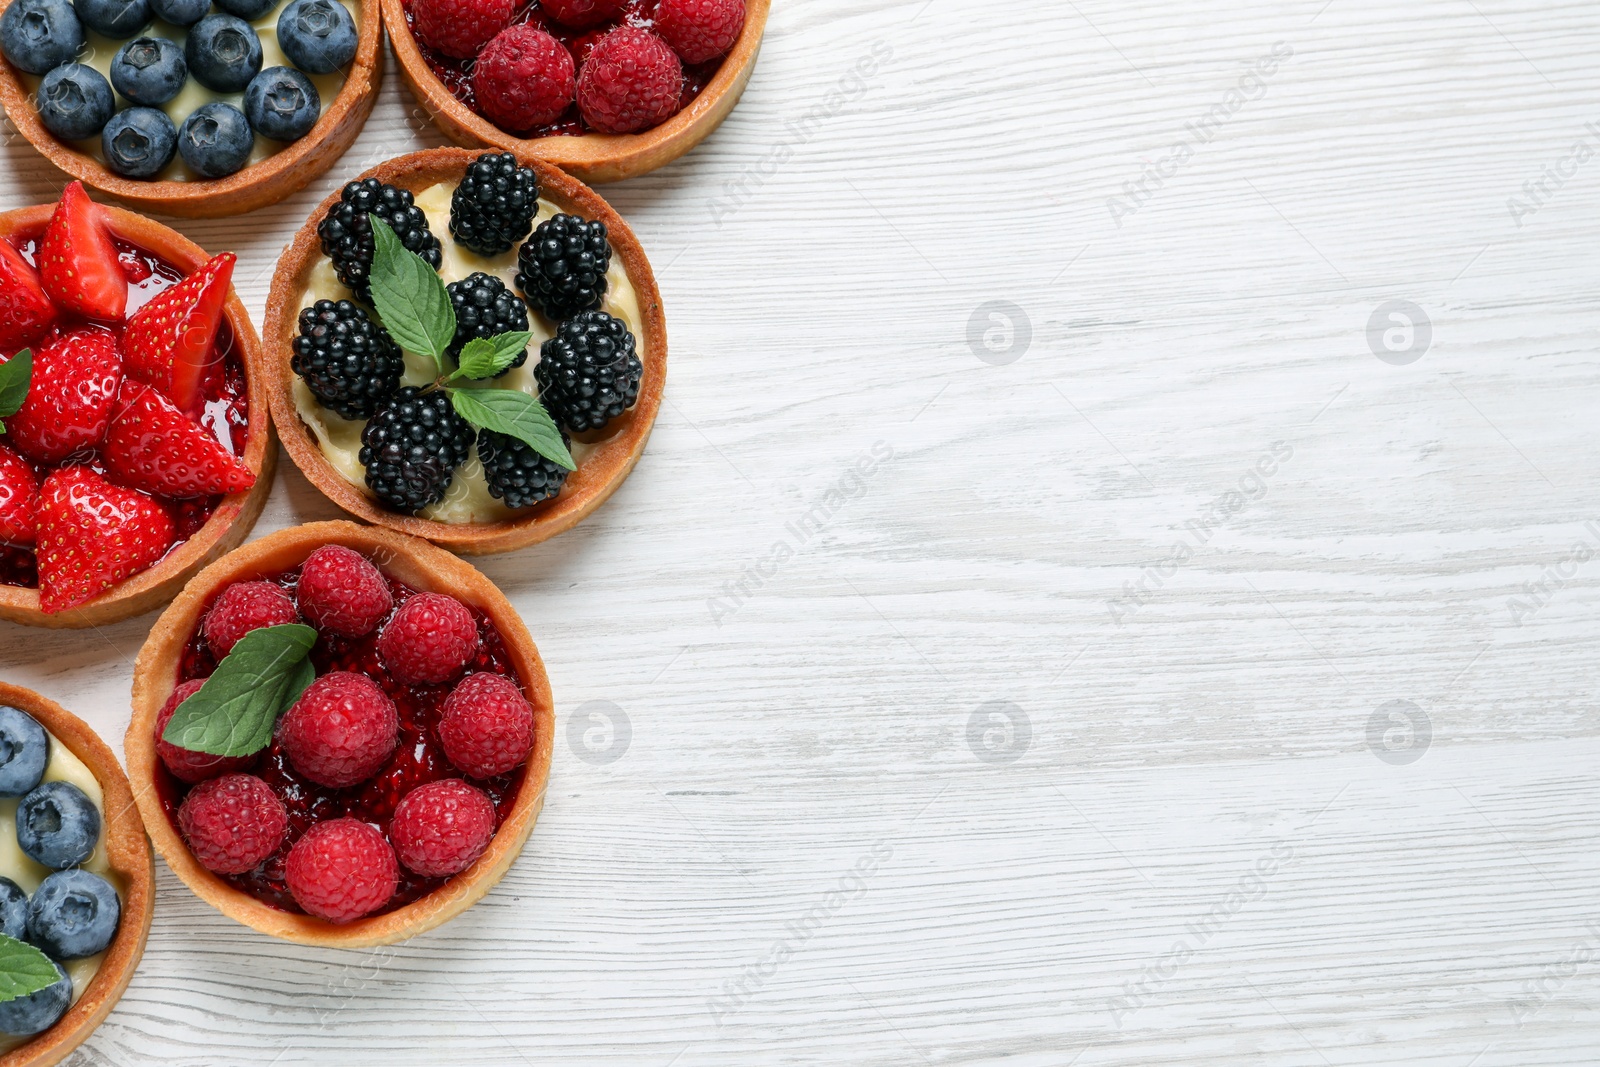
[{"x": 1197, "y": 858}]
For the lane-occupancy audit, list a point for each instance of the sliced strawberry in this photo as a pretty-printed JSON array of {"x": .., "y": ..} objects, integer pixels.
[
  {"x": 92, "y": 535},
  {"x": 153, "y": 447},
  {"x": 26, "y": 314},
  {"x": 77, "y": 261},
  {"x": 19, "y": 499},
  {"x": 75, "y": 379},
  {"x": 168, "y": 341}
]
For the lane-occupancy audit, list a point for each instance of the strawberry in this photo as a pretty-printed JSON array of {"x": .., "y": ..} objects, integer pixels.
[
  {"x": 75, "y": 379},
  {"x": 153, "y": 447},
  {"x": 168, "y": 341},
  {"x": 19, "y": 499},
  {"x": 92, "y": 535},
  {"x": 77, "y": 261},
  {"x": 26, "y": 314}
]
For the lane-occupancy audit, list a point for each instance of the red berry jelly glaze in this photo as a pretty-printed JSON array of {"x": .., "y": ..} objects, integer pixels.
[
  {"x": 227, "y": 407},
  {"x": 418, "y": 758},
  {"x": 456, "y": 74}
]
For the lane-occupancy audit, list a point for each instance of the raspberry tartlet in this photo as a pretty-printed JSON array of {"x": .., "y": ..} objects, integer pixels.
[
  {"x": 142, "y": 447},
  {"x": 511, "y": 250},
  {"x": 358, "y": 775},
  {"x": 604, "y": 89},
  {"x": 91, "y": 916},
  {"x": 178, "y": 108}
]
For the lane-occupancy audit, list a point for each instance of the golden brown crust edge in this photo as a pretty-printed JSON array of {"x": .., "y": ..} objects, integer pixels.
[
  {"x": 418, "y": 564},
  {"x": 127, "y": 850},
  {"x": 274, "y": 178},
  {"x": 601, "y": 473},
  {"x": 593, "y": 157},
  {"x": 234, "y": 517}
]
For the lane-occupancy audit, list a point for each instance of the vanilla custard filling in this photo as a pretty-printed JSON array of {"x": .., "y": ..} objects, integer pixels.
[
  {"x": 467, "y": 500},
  {"x": 99, "y": 50},
  {"x": 15, "y": 865}
]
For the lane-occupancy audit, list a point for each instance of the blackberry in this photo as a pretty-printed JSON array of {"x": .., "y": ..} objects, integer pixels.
[
  {"x": 516, "y": 473},
  {"x": 588, "y": 372},
  {"x": 412, "y": 447},
  {"x": 346, "y": 232},
  {"x": 493, "y": 207},
  {"x": 561, "y": 269},
  {"x": 485, "y": 308},
  {"x": 346, "y": 359}
]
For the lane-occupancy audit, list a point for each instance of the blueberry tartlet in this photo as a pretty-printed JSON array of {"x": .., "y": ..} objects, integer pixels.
[{"x": 468, "y": 347}]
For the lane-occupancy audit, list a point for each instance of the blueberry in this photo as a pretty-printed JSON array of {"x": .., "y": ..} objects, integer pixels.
[
  {"x": 24, "y": 751},
  {"x": 57, "y": 825},
  {"x": 318, "y": 36},
  {"x": 139, "y": 141},
  {"x": 73, "y": 914},
  {"x": 249, "y": 10},
  {"x": 215, "y": 140},
  {"x": 37, "y": 1012},
  {"x": 281, "y": 103},
  {"x": 180, "y": 12},
  {"x": 13, "y": 910},
  {"x": 75, "y": 101},
  {"x": 114, "y": 18},
  {"x": 149, "y": 71},
  {"x": 40, "y": 35},
  {"x": 224, "y": 53}
]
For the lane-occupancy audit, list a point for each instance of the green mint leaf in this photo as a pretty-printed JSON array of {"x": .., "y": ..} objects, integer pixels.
[
  {"x": 409, "y": 296},
  {"x": 515, "y": 414},
  {"x": 15, "y": 376},
  {"x": 234, "y": 712},
  {"x": 23, "y": 969},
  {"x": 482, "y": 358}
]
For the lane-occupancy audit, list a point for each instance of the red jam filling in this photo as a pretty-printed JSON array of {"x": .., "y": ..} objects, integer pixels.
[
  {"x": 456, "y": 74},
  {"x": 227, "y": 407},
  {"x": 418, "y": 758}
]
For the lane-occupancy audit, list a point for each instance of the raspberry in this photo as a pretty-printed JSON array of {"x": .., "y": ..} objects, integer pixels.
[
  {"x": 441, "y": 828},
  {"x": 185, "y": 764},
  {"x": 430, "y": 639},
  {"x": 460, "y": 28},
  {"x": 630, "y": 82},
  {"x": 700, "y": 30},
  {"x": 524, "y": 79},
  {"x": 341, "y": 869},
  {"x": 341, "y": 731},
  {"x": 578, "y": 13},
  {"x": 244, "y": 607},
  {"x": 232, "y": 823},
  {"x": 486, "y": 726},
  {"x": 340, "y": 591}
]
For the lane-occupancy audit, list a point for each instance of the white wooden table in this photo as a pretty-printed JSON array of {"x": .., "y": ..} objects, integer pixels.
[{"x": 1033, "y": 744}]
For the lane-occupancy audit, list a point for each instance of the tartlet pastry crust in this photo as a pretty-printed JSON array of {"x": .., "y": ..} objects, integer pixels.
[
  {"x": 234, "y": 517},
  {"x": 274, "y": 178},
  {"x": 418, "y": 564},
  {"x": 600, "y": 473},
  {"x": 593, "y": 157},
  {"x": 128, "y": 852}
]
